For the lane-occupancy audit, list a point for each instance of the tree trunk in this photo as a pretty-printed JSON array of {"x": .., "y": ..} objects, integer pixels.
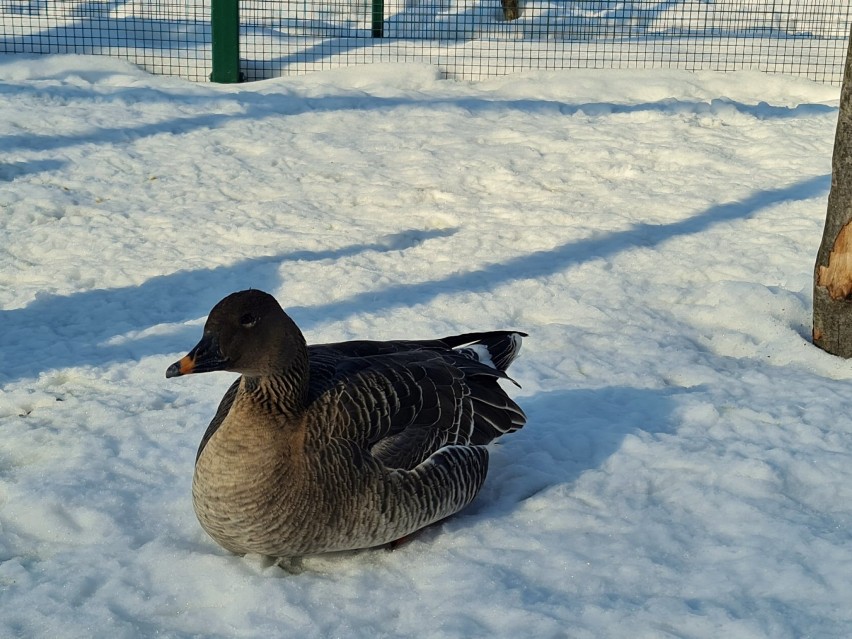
[
  {"x": 511, "y": 10},
  {"x": 832, "y": 330}
]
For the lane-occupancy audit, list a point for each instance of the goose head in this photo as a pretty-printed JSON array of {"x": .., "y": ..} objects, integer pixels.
[{"x": 248, "y": 333}]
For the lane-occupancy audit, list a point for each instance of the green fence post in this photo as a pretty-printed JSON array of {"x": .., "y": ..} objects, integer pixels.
[
  {"x": 225, "y": 36},
  {"x": 378, "y": 18}
]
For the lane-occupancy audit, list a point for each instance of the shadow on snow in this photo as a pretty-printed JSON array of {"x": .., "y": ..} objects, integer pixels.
[
  {"x": 58, "y": 331},
  {"x": 575, "y": 430},
  {"x": 261, "y": 106}
]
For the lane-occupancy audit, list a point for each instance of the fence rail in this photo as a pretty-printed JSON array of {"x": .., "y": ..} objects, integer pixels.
[{"x": 466, "y": 38}]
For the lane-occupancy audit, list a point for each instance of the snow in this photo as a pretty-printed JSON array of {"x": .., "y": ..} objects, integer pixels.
[{"x": 685, "y": 470}]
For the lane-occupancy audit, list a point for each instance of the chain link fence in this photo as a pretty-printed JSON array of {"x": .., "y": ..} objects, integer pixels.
[{"x": 467, "y": 39}]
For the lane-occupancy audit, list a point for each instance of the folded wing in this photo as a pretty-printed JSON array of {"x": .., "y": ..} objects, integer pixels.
[{"x": 405, "y": 400}]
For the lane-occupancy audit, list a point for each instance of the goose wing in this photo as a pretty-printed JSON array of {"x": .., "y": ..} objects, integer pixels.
[
  {"x": 499, "y": 347},
  {"x": 403, "y": 406}
]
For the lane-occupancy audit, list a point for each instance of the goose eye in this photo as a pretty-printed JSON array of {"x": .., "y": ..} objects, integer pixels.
[{"x": 248, "y": 320}]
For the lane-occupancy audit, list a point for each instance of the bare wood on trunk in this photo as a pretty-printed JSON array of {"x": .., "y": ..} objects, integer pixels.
[{"x": 832, "y": 329}]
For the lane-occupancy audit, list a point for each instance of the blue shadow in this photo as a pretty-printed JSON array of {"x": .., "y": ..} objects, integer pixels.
[
  {"x": 575, "y": 430},
  {"x": 57, "y": 331},
  {"x": 256, "y": 107},
  {"x": 573, "y": 253}
]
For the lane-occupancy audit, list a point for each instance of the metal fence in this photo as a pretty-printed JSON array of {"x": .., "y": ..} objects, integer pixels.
[
  {"x": 170, "y": 37},
  {"x": 467, "y": 39}
]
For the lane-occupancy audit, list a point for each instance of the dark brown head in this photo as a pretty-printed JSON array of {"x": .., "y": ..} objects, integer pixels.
[{"x": 246, "y": 333}]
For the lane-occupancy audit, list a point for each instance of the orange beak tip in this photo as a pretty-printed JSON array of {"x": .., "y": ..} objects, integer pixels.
[{"x": 184, "y": 366}]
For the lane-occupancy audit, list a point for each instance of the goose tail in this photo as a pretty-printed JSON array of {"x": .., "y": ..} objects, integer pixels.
[{"x": 497, "y": 349}]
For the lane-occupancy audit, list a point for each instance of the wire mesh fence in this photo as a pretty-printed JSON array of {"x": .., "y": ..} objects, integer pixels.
[
  {"x": 475, "y": 38},
  {"x": 467, "y": 39},
  {"x": 169, "y": 37}
]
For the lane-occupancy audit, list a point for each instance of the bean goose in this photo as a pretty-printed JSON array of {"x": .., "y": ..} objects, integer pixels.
[{"x": 340, "y": 446}]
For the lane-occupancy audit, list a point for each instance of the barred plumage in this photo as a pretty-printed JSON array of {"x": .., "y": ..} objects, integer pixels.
[{"x": 341, "y": 446}]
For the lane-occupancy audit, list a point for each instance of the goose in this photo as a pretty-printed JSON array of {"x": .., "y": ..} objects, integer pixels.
[{"x": 342, "y": 446}]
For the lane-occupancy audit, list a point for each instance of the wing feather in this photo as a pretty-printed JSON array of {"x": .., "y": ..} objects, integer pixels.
[{"x": 403, "y": 405}]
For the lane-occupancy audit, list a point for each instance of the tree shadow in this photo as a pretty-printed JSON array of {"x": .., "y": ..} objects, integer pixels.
[
  {"x": 12, "y": 170},
  {"x": 57, "y": 331},
  {"x": 573, "y": 253},
  {"x": 87, "y": 328},
  {"x": 80, "y": 329},
  {"x": 256, "y": 107}
]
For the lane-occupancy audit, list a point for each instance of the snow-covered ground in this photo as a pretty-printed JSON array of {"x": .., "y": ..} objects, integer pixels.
[{"x": 686, "y": 470}]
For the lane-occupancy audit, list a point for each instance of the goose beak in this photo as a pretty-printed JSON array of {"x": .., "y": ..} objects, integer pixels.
[{"x": 205, "y": 357}]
